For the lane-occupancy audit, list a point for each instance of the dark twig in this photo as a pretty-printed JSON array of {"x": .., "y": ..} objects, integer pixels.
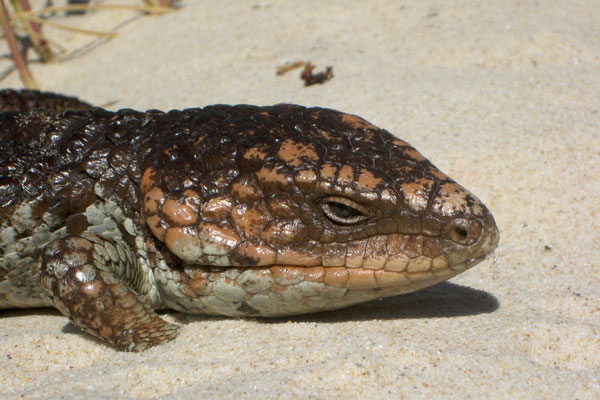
[
  {"x": 34, "y": 31},
  {"x": 17, "y": 56}
]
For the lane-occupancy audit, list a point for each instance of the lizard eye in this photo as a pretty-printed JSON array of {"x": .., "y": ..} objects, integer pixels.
[{"x": 343, "y": 211}]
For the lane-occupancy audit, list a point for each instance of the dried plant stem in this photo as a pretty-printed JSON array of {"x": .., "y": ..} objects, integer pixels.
[
  {"x": 70, "y": 28},
  {"x": 160, "y": 3},
  {"x": 86, "y": 7},
  {"x": 17, "y": 56},
  {"x": 32, "y": 23},
  {"x": 34, "y": 31}
]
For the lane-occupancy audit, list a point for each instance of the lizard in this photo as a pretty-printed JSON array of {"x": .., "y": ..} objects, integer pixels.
[{"x": 259, "y": 211}]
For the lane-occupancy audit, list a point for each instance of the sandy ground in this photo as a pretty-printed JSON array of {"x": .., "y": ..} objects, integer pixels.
[{"x": 503, "y": 96}]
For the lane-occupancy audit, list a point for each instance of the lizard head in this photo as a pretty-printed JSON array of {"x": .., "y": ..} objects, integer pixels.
[{"x": 290, "y": 191}]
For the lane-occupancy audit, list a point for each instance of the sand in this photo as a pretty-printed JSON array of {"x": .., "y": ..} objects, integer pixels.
[{"x": 503, "y": 96}]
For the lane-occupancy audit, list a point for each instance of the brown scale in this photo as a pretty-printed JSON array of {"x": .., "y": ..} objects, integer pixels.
[{"x": 234, "y": 210}]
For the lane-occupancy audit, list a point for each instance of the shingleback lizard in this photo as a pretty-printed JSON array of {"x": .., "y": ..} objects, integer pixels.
[{"x": 232, "y": 210}]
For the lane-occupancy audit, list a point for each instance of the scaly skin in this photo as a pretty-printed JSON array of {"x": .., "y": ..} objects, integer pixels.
[{"x": 232, "y": 210}]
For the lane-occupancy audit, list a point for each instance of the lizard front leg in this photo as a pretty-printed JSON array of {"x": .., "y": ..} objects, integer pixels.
[{"x": 86, "y": 277}]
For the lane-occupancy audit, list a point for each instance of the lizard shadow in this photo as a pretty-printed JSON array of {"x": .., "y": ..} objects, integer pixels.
[{"x": 443, "y": 300}]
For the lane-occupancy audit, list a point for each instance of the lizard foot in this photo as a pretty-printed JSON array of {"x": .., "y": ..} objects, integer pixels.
[{"x": 79, "y": 273}]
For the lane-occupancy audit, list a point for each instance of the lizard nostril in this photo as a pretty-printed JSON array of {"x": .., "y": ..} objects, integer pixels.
[
  {"x": 464, "y": 231},
  {"x": 459, "y": 233}
]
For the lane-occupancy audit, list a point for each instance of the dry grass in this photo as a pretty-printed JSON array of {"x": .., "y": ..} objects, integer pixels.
[{"x": 25, "y": 26}]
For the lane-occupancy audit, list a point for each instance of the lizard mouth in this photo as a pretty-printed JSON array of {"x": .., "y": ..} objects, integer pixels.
[
  {"x": 376, "y": 262},
  {"x": 277, "y": 290},
  {"x": 465, "y": 265},
  {"x": 282, "y": 289}
]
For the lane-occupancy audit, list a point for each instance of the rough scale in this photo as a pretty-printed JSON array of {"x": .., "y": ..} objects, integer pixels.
[{"x": 231, "y": 210}]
